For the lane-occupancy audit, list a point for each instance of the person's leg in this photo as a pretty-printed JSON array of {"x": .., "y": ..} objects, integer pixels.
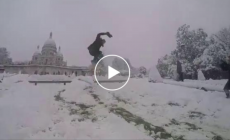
[
  {"x": 99, "y": 57},
  {"x": 226, "y": 89}
]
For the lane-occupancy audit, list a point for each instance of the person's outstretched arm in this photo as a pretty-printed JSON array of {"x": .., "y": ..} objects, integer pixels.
[{"x": 107, "y": 33}]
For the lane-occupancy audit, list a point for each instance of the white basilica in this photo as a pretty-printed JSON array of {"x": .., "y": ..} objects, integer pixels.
[
  {"x": 49, "y": 54},
  {"x": 48, "y": 61}
]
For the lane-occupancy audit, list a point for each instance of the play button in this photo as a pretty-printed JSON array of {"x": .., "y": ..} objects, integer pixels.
[{"x": 112, "y": 72}]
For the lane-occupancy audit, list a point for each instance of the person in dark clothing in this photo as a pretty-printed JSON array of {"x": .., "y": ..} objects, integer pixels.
[
  {"x": 94, "y": 48},
  {"x": 179, "y": 71},
  {"x": 226, "y": 67}
]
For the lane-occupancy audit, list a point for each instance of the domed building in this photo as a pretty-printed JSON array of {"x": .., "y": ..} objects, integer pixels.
[
  {"x": 47, "y": 61},
  {"x": 49, "y": 54}
]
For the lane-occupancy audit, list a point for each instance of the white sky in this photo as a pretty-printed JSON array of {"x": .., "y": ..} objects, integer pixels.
[{"x": 143, "y": 30}]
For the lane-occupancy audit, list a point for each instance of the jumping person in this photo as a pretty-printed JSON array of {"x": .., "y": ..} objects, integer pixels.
[{"x": 94, "y": 48}]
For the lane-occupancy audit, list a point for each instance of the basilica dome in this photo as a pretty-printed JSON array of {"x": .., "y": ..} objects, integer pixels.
[
  {"x": 37, "y": 53},
  {"x": 59, "y": 54},
  {"x": 49, "y": 46}
]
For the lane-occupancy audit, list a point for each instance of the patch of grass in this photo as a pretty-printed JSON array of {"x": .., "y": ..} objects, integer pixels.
[
  {"x": 61, "y": 91},
  {"x": 153, "y": 104},
  {"x": 178, "y": 138},
  {"x": 73, "y": 111},
  {"x": 174, "y": 122},
  {"x": 151, "y": 129},
  {"x": 87, "y": 113},
  {"x": 58, "y": 96},
  {"x": 164, "y": 135},
  {"x": 173, "y": 104},
  {"x": 94, "y": 119},
  {"x": 80, "y": 120},
  {"x": 101, "y": 103},
  {"x": 81, "y": 110},
  {"x": 120, "y": 99},
  {"x": 191, "y": 126},
  {"x": 196, "y": 114},
  {"x": 217, "y": 138},
  {"x": 96, "y": 97},
  {"x": 81, "y": 106}
]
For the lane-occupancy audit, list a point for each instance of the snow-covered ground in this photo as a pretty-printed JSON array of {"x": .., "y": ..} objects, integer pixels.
[
  {"x": 212, "y": 85},
  {"x": 141, "y": 110},
  {"x": 50, "y": 77}
]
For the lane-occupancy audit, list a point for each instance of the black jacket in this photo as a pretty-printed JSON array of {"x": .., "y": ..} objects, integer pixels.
[{"x": 96, "y": 45}]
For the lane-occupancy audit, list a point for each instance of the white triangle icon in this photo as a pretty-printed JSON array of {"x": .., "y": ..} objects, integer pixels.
[{"x": 112, "y": 72}]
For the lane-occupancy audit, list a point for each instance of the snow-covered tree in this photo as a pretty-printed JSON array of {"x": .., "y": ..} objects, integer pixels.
[
  {"x": 222, "y": 38},
  {"x": 190, "y": 43},
  {"x": 218, "y": 49},
  {"x": 119, "y": 64},
  {"x": 4, "y": 57},
  {"x": 164, "y": 65},
  {"x": 143, "y": 70},
  {"x": 196, "y": 51}
]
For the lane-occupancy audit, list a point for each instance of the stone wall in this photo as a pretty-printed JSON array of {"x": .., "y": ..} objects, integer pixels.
[{"x": 41, "y": 69}]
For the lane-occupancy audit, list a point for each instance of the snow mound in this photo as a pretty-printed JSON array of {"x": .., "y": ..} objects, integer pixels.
[
  {"x": 154, "y": 75},
  {"x": 16, "y": 78},
  {"x": 5, "y": 75},
  {"x": 201, "y": 75},
  {"x": 87, "y": 79}
]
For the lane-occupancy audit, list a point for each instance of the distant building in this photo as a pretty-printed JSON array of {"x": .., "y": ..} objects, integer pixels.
[
  {"x": 49, "y": 54},
  {"x": 48, "y": 61}
]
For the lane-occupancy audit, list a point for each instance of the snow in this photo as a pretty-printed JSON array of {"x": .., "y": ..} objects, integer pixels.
[
  {"x": 50, "y": 78},
  {"x": 154, "y": 75},
  {"x": 200, "y": 75},
  {"x": 150, "y": 101},
  {"x": 117, "y": 77},
  {"x": 72, "y": 111},
  {"x": 212, "y": 85}
]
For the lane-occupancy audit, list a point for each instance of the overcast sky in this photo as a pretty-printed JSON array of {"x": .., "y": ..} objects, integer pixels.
[{"x": 143, "y": 30}]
